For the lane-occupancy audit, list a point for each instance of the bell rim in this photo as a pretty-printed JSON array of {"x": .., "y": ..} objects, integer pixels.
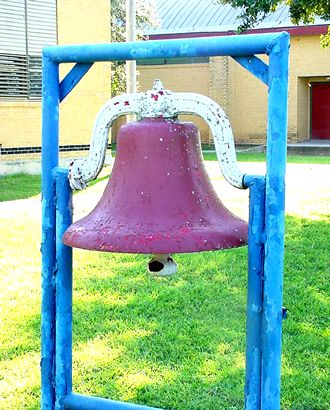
[{"x": 196, "y": 241}]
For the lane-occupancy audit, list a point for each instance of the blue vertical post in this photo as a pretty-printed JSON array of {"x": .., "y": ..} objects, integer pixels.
[
  {"x": 50, "y": 144},
  {"x": 63, "y": 379},
  {"x": 274, "y": 223},
  {"x": 254, "y": 291}
]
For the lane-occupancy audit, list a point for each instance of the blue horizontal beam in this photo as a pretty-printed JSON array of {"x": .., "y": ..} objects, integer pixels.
[
  {"x": 81, "y": 402},
  {"x": 242, "y": 45},
  {"x": 256, "y": 66},
  {"x": 72, "y": 79}
]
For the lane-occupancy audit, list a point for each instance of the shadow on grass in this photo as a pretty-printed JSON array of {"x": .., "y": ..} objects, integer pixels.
[{"x": 178, "y": 343}]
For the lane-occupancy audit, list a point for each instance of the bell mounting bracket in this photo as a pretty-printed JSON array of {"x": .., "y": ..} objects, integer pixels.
[{"x": 154, "y": 103}]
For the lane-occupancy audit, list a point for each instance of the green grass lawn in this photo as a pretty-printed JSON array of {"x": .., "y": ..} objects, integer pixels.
[
  {"x": 175, "y": 343},
  {"x": 23, "y": 186}
]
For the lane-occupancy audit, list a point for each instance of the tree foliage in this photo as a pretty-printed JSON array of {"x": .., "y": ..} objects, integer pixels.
[
  {"x": 301, "y": 11},
  {"x": 146, "y": 17}
]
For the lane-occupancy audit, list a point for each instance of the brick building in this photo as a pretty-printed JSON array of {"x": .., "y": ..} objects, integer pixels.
[
  {"x": 25, "y": 27},
  {"x": 243, "y": 97}
]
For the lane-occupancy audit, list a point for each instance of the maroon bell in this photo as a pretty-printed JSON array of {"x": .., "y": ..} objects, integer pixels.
[{"x": 159, "y": 198}]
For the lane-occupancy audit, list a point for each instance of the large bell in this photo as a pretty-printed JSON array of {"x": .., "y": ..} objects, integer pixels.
[{"x": 159, "y": 198}]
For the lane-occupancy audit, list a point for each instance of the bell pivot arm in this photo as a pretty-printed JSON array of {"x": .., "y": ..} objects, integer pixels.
[
  {"x": 154, "y": 103},
  {"x": 84, "y": 170},
  {"x": 217, "y": 120}
]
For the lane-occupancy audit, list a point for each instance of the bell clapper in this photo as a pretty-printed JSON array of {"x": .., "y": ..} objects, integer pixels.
[{"x": 162, "y": 265}]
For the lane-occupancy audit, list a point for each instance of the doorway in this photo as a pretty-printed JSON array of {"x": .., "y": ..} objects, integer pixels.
[{"x": 320, "y": 111}]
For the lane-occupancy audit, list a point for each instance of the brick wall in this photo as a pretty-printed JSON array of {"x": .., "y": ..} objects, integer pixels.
[
  {"x": 243, "y": 97},
  {"x": 81, "y": 22},
  {"x": 78, "y": 22}
]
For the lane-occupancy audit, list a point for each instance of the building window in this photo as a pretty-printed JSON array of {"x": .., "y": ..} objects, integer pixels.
[{"x": 26, "y": 26}]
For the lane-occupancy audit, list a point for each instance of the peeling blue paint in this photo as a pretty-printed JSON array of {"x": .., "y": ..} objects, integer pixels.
[
  {"x": 274, "y": 224},
  {"x": 63, "y": 340},
  {"x": 255, "y": 291},
  {"x": 192, "y": 47},
  {"x": 50, "y": 89}
]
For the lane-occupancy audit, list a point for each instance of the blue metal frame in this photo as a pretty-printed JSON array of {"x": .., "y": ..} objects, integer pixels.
[{"x": 266, "y": 224}]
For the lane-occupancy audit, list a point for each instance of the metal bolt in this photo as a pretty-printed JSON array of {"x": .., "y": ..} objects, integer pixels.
[{"x": 284, "y": 312}]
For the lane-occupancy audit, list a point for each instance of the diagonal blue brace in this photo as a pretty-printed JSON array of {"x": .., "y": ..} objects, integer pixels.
[
  {"x": 72, "y": 78},
  {"x": 256, "y": 66}
]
